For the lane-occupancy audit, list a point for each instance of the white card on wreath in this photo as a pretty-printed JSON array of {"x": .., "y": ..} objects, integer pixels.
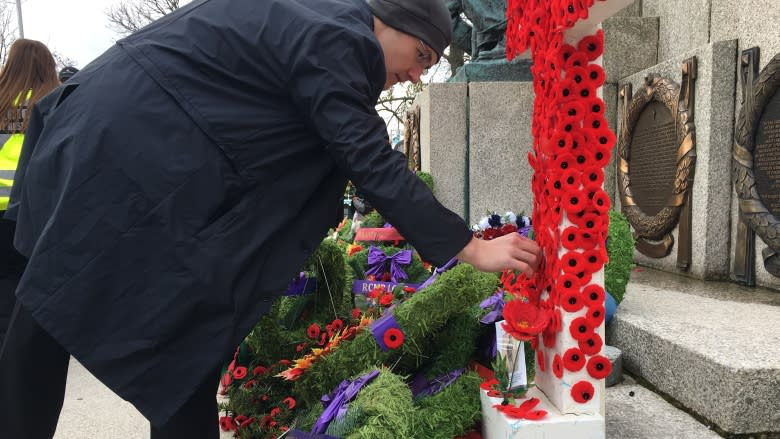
[{"x": 513, "y": 353}]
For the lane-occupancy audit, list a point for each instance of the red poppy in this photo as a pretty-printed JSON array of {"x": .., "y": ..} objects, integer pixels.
[
  {"x": 249, "y": 384},
  {"x": 591, "y": 345},
  {"x": 593, "y": 294},
  {"x": 275, "y": 412},
  {"x": 258, "y": 370},
  {"x": 540, "y": 359},
  {"x": 393, "y": 338},
  {"x": 571, "y": 301},
  {"x": 593, "y": 260},
  {"x": 240, "y": 418},
  {"x": 565, "y": 52},
  {"x": 592, "y": 45},
  {"x": 564, "y": 162},
  {"x": 337, "y": 325},
  {"x": 573, "y": 359},
  {"x": 572, "y": 262},
  {"x": 290, "y": 402},
  {"x": 596, "y": 315},
  {"x": 577, "y": 59},
  {"x": 523, "y": 411},
  {"x": 313, "y": 331},
  {"x": 600, "y": 201},
  {"x": 569, "y": 238},
  {"x": 523, "y": 320},
  {"x": 580, "y": 328},
  {"x": 410, "y": 290},
  {"x": 582, "y": 392},
  {"x": 584, "y": 276},
  {"x": 571, "y": 179},
  {"x": 494, "y": 393},
  {"x": 239, "y": 373},
  {"x": 557, "y": 366},
  {"x": 386, "y": 299},
  {"x": 599, "y": 367},
  {"x": 226, "y": 423},
  {"x": 554, "y": 324},
  {"x": 573, "y": 108},
  {"x": 601, "y": 156},
  {"x": 573, "y": 201},
  {"x": 567, "y": 282}
]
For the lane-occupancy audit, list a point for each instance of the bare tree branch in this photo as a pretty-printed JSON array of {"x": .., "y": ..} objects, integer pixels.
[
  {"x": 7, "y": 29},
  {"x": 128, "y": 16}
]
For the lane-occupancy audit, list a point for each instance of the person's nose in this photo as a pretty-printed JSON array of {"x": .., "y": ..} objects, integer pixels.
[{"x": 415, "y": 73}]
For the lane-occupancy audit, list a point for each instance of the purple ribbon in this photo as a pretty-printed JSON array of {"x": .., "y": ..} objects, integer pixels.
[
  {"x": 496, "y": 302},
  {"x": 524, "y": 231},
  {"x": 360, "y": 286},
  {"x": 377, "y": 259},
  {"x": 298, "y": 434},
  {"x": 301, "y": 285},
  {"x": 337, "y": 402},
  {"x": 387, "y": 226},
  {"x": 422, "y": 387},
  {"x": 451, "y": 263},
  {"x": 381, "y": 325}
]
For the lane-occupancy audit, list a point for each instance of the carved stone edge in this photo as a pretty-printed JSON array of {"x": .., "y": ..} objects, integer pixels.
[
  {"x": 665, "y": 91},
  {"x": 753, "y": 210}
]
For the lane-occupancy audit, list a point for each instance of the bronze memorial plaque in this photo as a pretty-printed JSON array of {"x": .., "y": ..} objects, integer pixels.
[
  {"x": 756, "y": 161},
  {"x": 656, "y": 160},
  {"x": 766, "y": 156},
  {"x": 653, "y": 159}
]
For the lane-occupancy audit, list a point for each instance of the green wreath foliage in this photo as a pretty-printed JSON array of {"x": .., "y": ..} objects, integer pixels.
[{"x": 620, "y": 248}]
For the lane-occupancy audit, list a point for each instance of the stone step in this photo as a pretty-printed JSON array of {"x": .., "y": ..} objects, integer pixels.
[
  {"x": 712, "y": 346},
  {"x": 637, "y": 413}
]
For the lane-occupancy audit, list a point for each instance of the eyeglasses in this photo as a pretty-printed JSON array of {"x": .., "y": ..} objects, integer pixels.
[{"x": 424, "y": 56}]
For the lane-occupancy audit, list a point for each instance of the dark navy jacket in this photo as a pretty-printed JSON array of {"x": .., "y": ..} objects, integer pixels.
[{"x": 173, "y": 187}]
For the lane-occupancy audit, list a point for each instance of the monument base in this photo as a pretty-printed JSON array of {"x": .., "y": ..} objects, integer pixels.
[
  {"x": 496, "y": 425},
  {"x": 498, "y": 70}
]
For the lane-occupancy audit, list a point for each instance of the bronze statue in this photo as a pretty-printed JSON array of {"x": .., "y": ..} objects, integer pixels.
[{"x": 485, "y": 37}]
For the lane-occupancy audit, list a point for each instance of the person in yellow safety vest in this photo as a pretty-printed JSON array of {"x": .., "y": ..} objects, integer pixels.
[{"x": 28, "y": 75}]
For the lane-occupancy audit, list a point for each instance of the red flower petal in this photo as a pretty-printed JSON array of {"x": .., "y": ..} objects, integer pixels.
[
  {"x": 540, "y": 359},
  {"x": 548, "y": 338},
  {"x": 591, "y": 345},
  {"x": 592, "y": 45},
  {"x": 557, "y": 366},
  {"x": 571, "y": 301},
  {"x": 487, "y": 385},
  {"x": 290, "y": 401},
  {"x": 572, "y": 262},
  {"x": 596, "y": 315},
  {"x": 569, "y": 237},
  {"x": 494, "y": 393},
  {"x": 580, "y": 329},
  {"x": 582, "y": 392},
  {"x": 595, "y": 75},
  {"x": 393, "y": 338},
  {"x": 573, "y": 359},
  {"x": 567, "y": 282},
  {"x": 593, "y": 260},
  {"x": 599, "y": 367},
  {"x": 239, "y": 373},
  {"x": 593, "y": 294},
  {"x": 313, "y": 331}
]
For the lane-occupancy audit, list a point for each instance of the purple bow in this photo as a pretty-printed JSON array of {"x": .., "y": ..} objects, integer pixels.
[
  {"x": 422, "y": 387},
  {"x": 496, "y": 301},
  {"x": 524, "y": 231},
  {"x": 377, "y": 259},
  {"x": 336, "y": 403},
  {"x": 451, "y": 263}
]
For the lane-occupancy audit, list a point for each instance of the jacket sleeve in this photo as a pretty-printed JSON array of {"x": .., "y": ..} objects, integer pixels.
[{"x": 335, "y": 83}]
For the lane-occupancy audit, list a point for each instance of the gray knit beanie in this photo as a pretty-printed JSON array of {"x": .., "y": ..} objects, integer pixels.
[{"x": 428, "y": 20}]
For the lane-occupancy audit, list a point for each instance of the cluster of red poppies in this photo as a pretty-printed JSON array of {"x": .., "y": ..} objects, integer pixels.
[{"x": 572, "y": 145}]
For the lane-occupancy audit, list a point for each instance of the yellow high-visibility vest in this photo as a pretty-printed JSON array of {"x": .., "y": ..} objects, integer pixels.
[{"x": 10, "y": 149}]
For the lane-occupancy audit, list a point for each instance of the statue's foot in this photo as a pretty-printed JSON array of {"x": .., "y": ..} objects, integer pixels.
[{"x": 498, "y": 52}]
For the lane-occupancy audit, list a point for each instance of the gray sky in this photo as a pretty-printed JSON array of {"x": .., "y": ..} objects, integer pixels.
[{"x": 74, "y": 28}]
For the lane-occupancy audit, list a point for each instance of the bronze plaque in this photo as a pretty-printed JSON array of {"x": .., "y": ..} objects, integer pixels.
[
  {"x": 653, "y": 159},
  {"x": 766, "y": 156}
]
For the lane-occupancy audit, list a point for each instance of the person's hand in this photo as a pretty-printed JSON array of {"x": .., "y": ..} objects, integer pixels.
[{"x": 512, "y": 251}]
